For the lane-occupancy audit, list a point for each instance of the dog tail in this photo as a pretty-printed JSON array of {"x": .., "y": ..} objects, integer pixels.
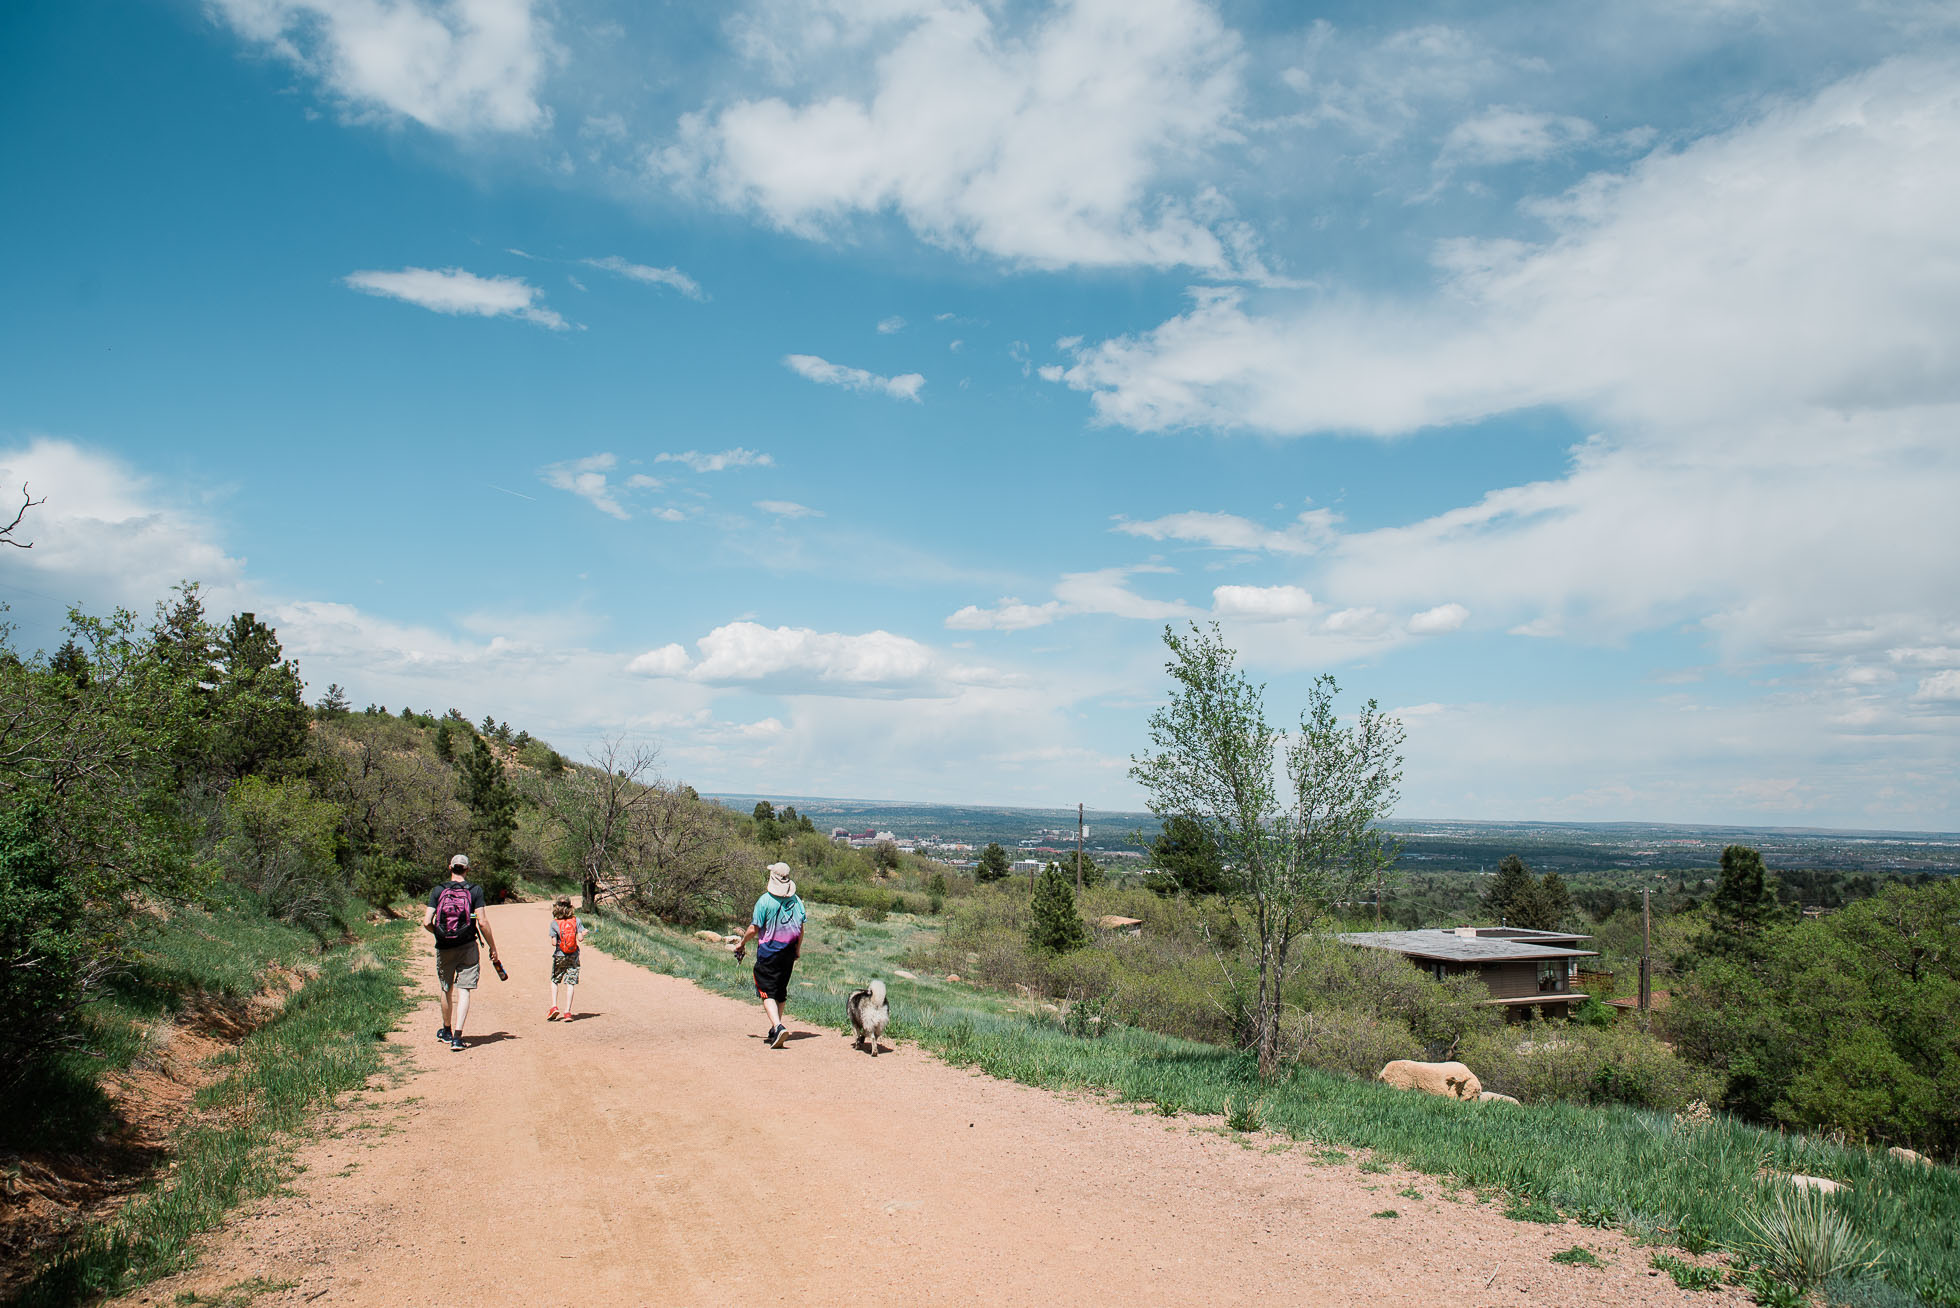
[{"x": 878, "y": 994}]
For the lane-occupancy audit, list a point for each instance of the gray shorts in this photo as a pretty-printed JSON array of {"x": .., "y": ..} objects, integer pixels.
[
  {"x": 460, "y": 967},
  {"x": 564, "y": 967}
]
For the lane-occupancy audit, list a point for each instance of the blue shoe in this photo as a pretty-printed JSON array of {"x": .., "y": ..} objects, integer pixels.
[
  {"x": 456, "y": 1042},
  {"x": 777, "y": 1037},
  {"x": 442, "y": 1033}
]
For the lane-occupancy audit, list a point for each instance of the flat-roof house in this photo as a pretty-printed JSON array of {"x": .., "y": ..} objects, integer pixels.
[{"x": 1520, "y": 968}]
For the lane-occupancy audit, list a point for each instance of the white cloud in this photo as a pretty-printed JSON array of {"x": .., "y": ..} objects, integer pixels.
[
  {"x": 456, "y": 66},
  {"x": 891, "y": 325},
  {"x": 667, "y": 661},
  {"x": 1687, "y": 290},
  {"x": 1502, "y": 136},
  {"x": 799, "y": 660},
  {"x": 639, "y": 272},
  {"x": 1261, "y": 603},
  {"x": 1444, "y": 617},
  {"x": 586, "y": 478},
  {"x": 788, "y": 509},
  {"x": 1063, "y": 143},
  {"x": 455, "y": 291},
  {"x": 1940, "y": 688},
  {"x": 906, "y": 386},
  {"x": 640, "y": 481},
  {"x": 1308, "y": 534},
  {"x": 1008, "y": 615},
  {"x": 735, "y": 458},
  {"x": 1735, "y": 376},
  {"x": 105, "y": 537}
]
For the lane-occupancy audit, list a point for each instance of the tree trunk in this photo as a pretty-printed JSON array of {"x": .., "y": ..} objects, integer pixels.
[{"x": 589, "y": 892}]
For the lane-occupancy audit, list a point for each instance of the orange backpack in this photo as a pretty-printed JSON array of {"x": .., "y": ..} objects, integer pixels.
[{"x": 567, "y": 935}]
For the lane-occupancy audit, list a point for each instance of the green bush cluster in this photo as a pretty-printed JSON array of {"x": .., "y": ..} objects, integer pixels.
[{"x": 1567, "y": 1063}]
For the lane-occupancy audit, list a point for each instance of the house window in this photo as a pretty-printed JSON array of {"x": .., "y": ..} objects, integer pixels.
[
  {"x": 1551, "y": 976},
  {"x": 1438, "y": 970}
]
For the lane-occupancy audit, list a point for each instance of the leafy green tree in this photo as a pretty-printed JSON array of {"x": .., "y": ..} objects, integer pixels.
[
  {"x": 1743, "y": 906},
  {"x": 884, "y": 856},
  {"x": 1842, "y": 1023},
  {"x": 993, "y": 865},
  {"x": 1187, "y": 860},
  {"x": 764, "y": 811},
  {"x": 1295, "y": 852},
  {"x": 445, "y": 741},
  {"x": 493, "y": 807},
  {"x": 1054, "y": 926},
  {"x": 1512, "y": 899}
]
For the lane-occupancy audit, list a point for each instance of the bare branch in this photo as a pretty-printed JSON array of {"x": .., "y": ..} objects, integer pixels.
[{"x": 7, "y": 532}]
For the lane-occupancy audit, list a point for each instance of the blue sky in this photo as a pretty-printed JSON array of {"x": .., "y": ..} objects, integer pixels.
[{"x": 843, "y": 396}]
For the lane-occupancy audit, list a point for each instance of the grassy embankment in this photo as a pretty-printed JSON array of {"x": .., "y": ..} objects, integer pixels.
[
  {"x": 1687, "y": 1185},
  {"x": 235, "y": 1142}
]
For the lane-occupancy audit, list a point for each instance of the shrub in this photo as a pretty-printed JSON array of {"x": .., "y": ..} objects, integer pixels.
[
  {"x": 46, "y": 964},
  {"x": 1575, "y": 1064},
  {"x": 1346, "y": 1041},
  {"x": 842, "y": 920},
  {"x": 876, "y": 911},
  {"x": 1244, "y": 1115},
  {"x": 1088, "y": 1019},
  {"x": 1802, "y": 1239},
  {"x": 278, "y": 844}
]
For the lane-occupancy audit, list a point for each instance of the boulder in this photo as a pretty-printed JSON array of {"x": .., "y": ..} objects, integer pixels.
[
  {"x": 1492, "y": 1097},
  {"x": 1823, "y": 1185},
  {"x": 952, "y": 976},
  {"x": 713, "y": 936},
  {"x": 1450, "y": 1080},
  {"x": 909, "y": 976},
  {"x": 1909, "y": 1156}
]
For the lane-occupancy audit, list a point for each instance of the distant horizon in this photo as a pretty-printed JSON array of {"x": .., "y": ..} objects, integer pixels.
[{"x": 798, "y": 801}]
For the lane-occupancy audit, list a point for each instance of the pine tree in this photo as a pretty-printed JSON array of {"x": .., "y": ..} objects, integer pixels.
[
  {"x": 993, "y": 865},
  {"x": 1055, "y": 927},
  {"x": 492, "y": 804},
  {"x": 70, "y": 663},
  {"x": 1554, "y": 904},
  {"x": 1187, "y": 859},
  {"x": 1512, "y": 899},
  {"x": 334, "y": 703},
  {"x": 445, "y": 741},
  {"x": 1743, "y": 905}
]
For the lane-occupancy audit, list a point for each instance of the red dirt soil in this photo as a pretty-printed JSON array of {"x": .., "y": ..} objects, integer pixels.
[{"x": 656, "y": 1152}]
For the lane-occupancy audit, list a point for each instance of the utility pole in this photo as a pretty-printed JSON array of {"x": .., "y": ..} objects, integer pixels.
[
  {"x": 1078, "y": 849},
  {"x": 1646, "y": 952}
]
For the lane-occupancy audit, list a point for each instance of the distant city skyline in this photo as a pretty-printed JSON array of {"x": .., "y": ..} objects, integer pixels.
[{"x": 844, "y": 396}]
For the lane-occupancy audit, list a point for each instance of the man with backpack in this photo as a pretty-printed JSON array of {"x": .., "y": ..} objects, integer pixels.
[{"x": 453, "y": 918}]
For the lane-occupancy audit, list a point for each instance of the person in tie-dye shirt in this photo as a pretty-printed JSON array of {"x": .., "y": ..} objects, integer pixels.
[{"x": 777, "y": 928}]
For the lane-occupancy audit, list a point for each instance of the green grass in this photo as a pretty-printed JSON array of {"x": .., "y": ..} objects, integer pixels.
[
  {"x": 1688, "y": 1276},
  {"x": 196, "y": 957},
  {"x": 1609, "y": 1165},
  {"x": 1578, "y": 1257},
  {"x": 235, "y": 1146}
]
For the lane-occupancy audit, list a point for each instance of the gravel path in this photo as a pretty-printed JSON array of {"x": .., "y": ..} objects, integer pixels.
[{"x": 656, "y": 1152}]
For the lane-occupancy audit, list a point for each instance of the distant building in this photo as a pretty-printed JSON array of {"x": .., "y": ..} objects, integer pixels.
[{"x": 1522, "y": 969}]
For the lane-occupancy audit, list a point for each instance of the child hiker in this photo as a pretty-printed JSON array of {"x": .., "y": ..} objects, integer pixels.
[{"x": 566, "y": 933}]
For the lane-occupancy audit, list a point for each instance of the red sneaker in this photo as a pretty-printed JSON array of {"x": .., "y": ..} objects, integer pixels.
[{"x": 552, "y": 1016}]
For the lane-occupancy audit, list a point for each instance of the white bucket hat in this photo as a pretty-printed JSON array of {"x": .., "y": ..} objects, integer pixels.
[
  {"x": 779, "y": 883},
  {"x": 459, "y": 861}
]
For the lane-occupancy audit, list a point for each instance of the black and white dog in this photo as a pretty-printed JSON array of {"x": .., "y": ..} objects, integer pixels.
[{"x": 869, "y": 1015}]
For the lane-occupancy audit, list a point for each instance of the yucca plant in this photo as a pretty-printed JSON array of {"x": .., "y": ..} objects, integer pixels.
[{"x": 1801, "y": 1238}]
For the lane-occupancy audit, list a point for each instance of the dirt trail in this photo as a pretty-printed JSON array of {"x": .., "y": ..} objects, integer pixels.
[{"x": 656, "y": 1152}]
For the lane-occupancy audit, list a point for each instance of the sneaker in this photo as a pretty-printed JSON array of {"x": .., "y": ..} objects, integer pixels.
[
  {"x": 442, "y": 1033},
  {"x": 770, "y": 1038},
  {"x": 552, "y": 1016},
  {"x": 777, "y": 1037},
  {"x": 456, "y": 1042}
]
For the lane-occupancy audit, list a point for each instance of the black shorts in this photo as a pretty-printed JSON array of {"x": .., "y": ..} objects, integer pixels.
[{"x": 772, "y": 975}]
